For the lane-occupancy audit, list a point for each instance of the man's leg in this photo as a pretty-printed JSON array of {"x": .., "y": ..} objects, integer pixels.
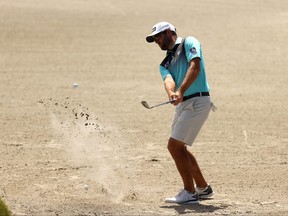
[
  {"x": 186, "y": 165},
  {"x": 196, "y": 172}
]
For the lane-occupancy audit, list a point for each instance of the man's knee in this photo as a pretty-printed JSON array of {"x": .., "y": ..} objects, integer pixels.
[{"x": 175, "y": 146}]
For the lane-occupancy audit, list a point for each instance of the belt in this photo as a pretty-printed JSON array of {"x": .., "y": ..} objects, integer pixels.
[{"x": 198, "y": 94}]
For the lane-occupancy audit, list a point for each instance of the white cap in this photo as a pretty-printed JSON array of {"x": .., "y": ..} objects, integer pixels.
[{"x": 159, "y": 27}]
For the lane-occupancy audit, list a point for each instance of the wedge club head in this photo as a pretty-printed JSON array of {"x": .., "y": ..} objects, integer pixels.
[{"x": 145, "y": 104}]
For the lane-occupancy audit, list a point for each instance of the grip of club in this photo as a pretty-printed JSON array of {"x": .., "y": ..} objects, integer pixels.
[{"x": 171, "y": 101}]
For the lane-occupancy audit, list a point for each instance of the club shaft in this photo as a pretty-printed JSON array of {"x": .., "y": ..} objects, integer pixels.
[{"x": 167, "y": 102}]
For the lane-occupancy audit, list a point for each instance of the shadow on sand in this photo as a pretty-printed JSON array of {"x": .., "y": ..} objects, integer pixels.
[{"x": 199, "y": 208}]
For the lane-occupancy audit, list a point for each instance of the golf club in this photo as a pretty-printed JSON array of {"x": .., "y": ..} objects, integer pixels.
[{"x": 145, "y": 104}]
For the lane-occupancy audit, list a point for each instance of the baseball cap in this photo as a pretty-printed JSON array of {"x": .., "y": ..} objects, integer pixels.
[{"x": 159, "y": 27}]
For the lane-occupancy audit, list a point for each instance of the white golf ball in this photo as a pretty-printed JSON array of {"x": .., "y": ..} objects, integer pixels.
[
  {"x": 75, "y": 85},
  {"x": 85, "y": 187}
]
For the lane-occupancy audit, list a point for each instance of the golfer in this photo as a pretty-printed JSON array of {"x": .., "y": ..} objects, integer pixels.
[{"x": 183, "y": 73}]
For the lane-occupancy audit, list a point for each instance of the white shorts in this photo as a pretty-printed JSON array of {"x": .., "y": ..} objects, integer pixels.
[{"x": 189, "y": 117}]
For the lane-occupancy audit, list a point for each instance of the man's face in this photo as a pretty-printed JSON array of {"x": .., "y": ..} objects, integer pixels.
[{"x": 163, "y": 40}]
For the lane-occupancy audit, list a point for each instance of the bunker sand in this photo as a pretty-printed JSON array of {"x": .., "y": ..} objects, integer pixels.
[{"x": 55, "y": 139}]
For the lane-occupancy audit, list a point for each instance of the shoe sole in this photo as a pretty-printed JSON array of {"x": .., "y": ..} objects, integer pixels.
[
  {"x": 207, "y": 196},
  {"x": 190, "y": 202},
  {"x": 187, "y": 202}
]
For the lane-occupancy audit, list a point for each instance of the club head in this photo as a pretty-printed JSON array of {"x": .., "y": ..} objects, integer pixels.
[{"x": 145, "y": 104}]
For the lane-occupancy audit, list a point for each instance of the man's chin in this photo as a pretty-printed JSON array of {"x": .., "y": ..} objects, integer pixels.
[{"x": 163, "y": 48}]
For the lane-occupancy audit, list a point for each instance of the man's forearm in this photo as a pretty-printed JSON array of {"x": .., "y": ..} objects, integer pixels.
[
  {"x": 191, "y": 75},
  {"x": 169, "y": 85}
]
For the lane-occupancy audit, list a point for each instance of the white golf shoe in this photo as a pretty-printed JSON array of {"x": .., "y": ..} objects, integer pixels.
[{"x": 184, "y": 197}]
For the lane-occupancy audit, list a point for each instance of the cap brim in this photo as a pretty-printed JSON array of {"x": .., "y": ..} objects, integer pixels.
[{"x": 150, "y": 39}]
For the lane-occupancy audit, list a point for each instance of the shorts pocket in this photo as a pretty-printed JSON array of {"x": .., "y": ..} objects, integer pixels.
[{"x": 190, "y": 105}]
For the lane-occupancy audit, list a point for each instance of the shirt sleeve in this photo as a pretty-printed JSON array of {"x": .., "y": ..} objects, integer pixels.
[
  {"x": 192, "y": 48},
  {"x": 164, "y": 72}
]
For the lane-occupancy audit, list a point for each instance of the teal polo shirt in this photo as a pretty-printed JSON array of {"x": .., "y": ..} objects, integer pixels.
[{"x": 192, "y": 50}]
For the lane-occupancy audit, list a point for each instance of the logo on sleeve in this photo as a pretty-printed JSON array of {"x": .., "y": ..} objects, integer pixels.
[{"x": 193, "y": 50}]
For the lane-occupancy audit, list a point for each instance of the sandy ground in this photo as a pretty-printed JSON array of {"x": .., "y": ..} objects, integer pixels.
[{"x": 55, "y": 139}]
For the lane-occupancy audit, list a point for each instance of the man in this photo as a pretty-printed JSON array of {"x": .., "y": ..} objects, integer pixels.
[{"x": 184, "y": 77}]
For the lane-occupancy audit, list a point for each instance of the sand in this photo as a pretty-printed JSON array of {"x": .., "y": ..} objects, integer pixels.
[{"x": 95, "y": 150}]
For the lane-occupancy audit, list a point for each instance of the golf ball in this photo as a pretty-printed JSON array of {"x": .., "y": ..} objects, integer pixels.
[
  {"x": 75, "y": 85},
  {"x": 85, "y": 187}
]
